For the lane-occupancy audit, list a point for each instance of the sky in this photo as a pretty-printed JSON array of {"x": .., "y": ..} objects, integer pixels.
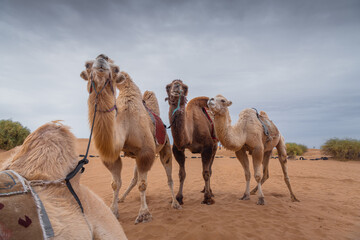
[{"x": 299, "y": 61}]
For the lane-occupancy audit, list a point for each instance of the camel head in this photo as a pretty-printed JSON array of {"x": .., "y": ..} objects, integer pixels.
[
  {"x": 99, "y": 71},
  {"x": 219, "y": 104},
  {"x": 175, "y": 90},
  {"x": 48, "y": 153}
]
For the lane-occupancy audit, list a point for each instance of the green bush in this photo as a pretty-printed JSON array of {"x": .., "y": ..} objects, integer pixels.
[
  {"x": 12, "y": 134},
  {"x": 294, "y": 149},
  {"x": 343, "y": 149}
]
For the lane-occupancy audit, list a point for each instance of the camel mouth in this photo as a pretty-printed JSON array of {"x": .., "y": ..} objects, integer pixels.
[{"x": 175, "y": 94}]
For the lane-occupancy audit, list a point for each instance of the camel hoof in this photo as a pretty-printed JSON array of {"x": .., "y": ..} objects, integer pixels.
[
  {"x": 175, "y": 204},
  {"x": 245, "y": 197},
  {"x": 203, "y": 191},
  {"x": 121, "y": 200},
  {"x": 261, "y": 201},
  {"x": 294, "y": 199},
  {"x": 208, "y": 201},
  {"x": 180, "y": 199},
  {"x": 144, "y": 216}
]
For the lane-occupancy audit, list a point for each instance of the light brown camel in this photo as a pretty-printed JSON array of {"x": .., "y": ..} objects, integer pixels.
[
  {"x": 191, "y": 128},
  {"x": 124, "y": 124},
  {"x": 248, "y": 134},
  {"x": 48, "y": 154}
]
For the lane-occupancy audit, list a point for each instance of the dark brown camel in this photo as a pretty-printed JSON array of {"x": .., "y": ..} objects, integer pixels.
[{"x": 191, "y": 128}]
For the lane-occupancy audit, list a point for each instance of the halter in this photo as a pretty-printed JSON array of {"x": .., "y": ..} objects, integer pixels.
[
  {"x": 176, "y": 109},
  {"x": 98, "y": 93}
]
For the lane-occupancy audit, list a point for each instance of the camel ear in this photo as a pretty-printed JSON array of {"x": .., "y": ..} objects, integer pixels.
[
  {"x": 185, "y": 87},
  {"x": 120, "y": 78},
  {"x": 229, "y": 103},
  {"x": 89, "y": 64},
  {"x": 115, "y": 69},
  {"x": 84, "y": 75},
  {"x": 168, "y": 90}
]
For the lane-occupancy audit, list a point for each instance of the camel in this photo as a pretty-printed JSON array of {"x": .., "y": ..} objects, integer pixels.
[
  {"x": 191, "y": 128},
  {"x": 47, "y": 155},
  {"x": 125, "y": 124},
  {"x": 249, "y": 134}
]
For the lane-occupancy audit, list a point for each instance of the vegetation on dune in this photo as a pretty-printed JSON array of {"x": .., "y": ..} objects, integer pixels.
[
  {"x": 294, "y": 149},
  {"x": 343, "y": 149},
  {"x": 12, "y": 134}
]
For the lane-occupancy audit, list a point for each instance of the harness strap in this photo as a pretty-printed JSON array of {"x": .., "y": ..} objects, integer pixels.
[
  {"x": 266, "y": 131},
  {"x": 213, "y": 136}
]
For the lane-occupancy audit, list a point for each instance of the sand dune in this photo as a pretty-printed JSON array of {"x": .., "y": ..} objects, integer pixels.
[{"x": 328, "y": 190}]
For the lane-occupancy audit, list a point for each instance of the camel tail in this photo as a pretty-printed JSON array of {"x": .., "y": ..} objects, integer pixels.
[{"x": 151, "y": 101}]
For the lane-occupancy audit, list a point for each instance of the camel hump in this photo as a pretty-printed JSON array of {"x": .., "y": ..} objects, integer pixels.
[
  {"x": 199, "y": 101},
  {"x": 263, "y": 114},
  {"x": 151, "y": 102}
]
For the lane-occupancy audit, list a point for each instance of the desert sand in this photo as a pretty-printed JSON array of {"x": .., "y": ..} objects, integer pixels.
[{"x": 329, "y": 192}]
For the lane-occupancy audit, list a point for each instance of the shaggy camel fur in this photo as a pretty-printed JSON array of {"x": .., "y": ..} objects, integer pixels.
[
  {"x": 192, "y": 129},
  {"x": 248, "y": 135},
  {"x": 49, "y": 154},
  {"x": 129, "y": 129}
]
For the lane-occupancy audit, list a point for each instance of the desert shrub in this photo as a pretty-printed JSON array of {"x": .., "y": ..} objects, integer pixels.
[
  {"x": 12, "y": 134},
  {"x": 294, "y": 149},
  {"x": 343, "y": 149}
]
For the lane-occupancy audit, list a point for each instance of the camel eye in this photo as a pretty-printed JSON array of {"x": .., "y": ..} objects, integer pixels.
[{"x": 222, "y": 100}]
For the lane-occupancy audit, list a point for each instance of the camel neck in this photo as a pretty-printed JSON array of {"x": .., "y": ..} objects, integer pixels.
[
  {"x": 227, "y": 134},
  {"x": 103, "y": 133},
  {"x": 179, "y": 127}
]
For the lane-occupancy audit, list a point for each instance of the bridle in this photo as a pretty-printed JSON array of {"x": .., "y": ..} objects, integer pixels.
[
  {"x": 82, "y": 162},
  {"x": 176, "y": 109}
]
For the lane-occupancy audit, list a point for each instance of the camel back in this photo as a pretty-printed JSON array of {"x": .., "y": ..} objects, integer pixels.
[
  {"x": 198, "y": 102},
  {"x": 273, "y": 130},
  {"x": 151, "y": 102}
]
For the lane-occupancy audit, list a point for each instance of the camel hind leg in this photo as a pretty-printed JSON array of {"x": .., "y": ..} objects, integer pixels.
[
  {"x": 206, "y": 157},
  {"x": 115, "y": 169},
  {"x": 131, "y": 185},
  {"x": 166, "y": 160},
  {"x": 144, "y": 161},
  {"x": 281, "y": 148},
  {"x": 265, "y": 171}
]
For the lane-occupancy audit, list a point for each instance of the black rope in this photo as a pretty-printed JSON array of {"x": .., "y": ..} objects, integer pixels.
[{"x": 266, "y": 131}]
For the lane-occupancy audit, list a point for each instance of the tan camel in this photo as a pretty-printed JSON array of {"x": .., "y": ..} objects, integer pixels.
[
  {"x": 248, "y": 134},
  {"x": 48, "y": 154},
  {"x": 191, "y": 128},
  {"x": 124, "y": 124}
]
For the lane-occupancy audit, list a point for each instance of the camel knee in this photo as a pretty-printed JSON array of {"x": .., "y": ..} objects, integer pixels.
[
  {"x": 206, "y": 175},
  {"x": 115, "y": 185},
  {"x": 142, "y": 186},
  {"x": 257, "y": 177}
]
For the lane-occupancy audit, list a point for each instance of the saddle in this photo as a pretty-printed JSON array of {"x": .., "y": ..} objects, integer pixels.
[
  {"x": 160, "y": 130},
  {"x": 22, "y": 214}
]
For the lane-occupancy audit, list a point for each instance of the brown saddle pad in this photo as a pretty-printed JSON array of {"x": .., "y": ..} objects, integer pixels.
[{"x": 22, "y": 214}]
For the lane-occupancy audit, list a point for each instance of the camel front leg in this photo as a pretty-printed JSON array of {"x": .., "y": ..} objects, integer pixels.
[
  {"x": 257, "y": 156},
  {"x": 115, "y": 169},
  {"x": 131, "y": 186},
  {"x": 243, "y": 158},
  {"x": 265, "y": 171},
  {"x": 144, "y": 213},
  {"x": 166, "y": 160},
  {"x": 206, "y": 162},
  {"x": 211, "y": 163},
  {"x": 180, "y": 158}
]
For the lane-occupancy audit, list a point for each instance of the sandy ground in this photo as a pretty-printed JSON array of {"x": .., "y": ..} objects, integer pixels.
[{"x": 328, "y": 190}]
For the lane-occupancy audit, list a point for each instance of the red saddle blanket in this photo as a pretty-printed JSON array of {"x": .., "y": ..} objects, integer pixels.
[{"x": 160, "y": 131}]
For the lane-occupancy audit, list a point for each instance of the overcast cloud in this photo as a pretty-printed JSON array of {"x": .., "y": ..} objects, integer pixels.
[{"x": 296, "y": 60}]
